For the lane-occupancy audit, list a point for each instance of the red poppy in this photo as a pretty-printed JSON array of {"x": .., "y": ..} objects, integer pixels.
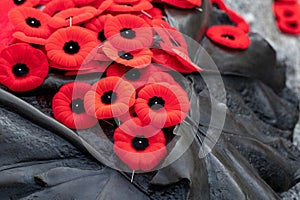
[
  {"x": 68, "y": 107},
  {"x": 44, "y": 2},
  {"x": 162, "y": 77},
  {"x": 175, "y": 59},
  {"x": 7, "y": 29},
  {"x": 97, "y": 25},
  {"x": 162, "y": 105},
  {"x": 128, "y": 32},
  {"x": 219, "y": 4},
  {"x": 2, "y": 46},
  {"x": 183, "y": 4},
  {"x": 57, "y": 6},
  {"x": 291, "y": 26},
  {"x": 70, "y": 46},
  {"x": 170, "y": 37},
  {"x": 228, "y": 36},
  {"x": 138, "y": 59},
  {"x": 137, "y": 77},
  {"x": 238, "y": 20},
  {"x": 110, "y": 97},
  {"x": 129, "y": 6},
  {"x": 21, "y": 72},
  {"x": 284, "y": 11},
  {"x": 14, "y": 3},
  {"x": 72, "y": 16},
  {"x": 32, "y": 40},
  {"x": 138, "y": 150},
  {"x": 32, "y": 22}
]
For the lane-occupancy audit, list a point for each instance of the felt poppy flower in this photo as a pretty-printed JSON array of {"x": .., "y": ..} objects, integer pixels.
[
  {"x": 80, "y": 3},
  {"x": 20, "y": 72},
  {"x": 239, "y": 21},
  {"x": 162, "y": 77},
  {"x": 162, "y": 105},
  {"x": 31, "y": 40},
  {"x": 14, "y": 3},
  {"x": 110, "y": 97},
  {"x": 7, "y": 29},
  {"x": 138, "y": 150},
  {"x": 72, "y": 16},
  {"x": 219, "y": 4},
  {"x": 56, "y": 6},
  {"x": 169, "y": 36},
  {"x": 183, "y": 4},
  {"x": 175, "y": 59},
  {"x": 68, "y": 107},
  {"x": 137, "y": 59},
  {"x": 137, "y": 77},
  {"x": 32, "y": 22},
  {"x": 291, "y": 26},
  {"x": 129, "y": 6},
  {"x": 284, "y": 11},
  {"x": 97, "y": 25},
  {"x": 2, "y": 46},
  {"x": 228, "y": 36},
  {"x": 70, "y": 46},
  {"x": 128, "y": 32}
]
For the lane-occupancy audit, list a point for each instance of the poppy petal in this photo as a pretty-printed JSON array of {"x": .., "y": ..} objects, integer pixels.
[
  {"x": 110, "y": 97},
  {"x": 30, "y": 21},
  {"x": 70, "y": 46},
  {"x": 136, "y": 59},
  {"x": 124, "y": 6},
  {"x": 128, "y": 32},
  {"x": 162, "y": 105},
  {"x": 73, "y": 16},
  {"x": 68, "y": 107},
  {"x": 183, "y": 4},
  {"x": 97, "y": 25},
  {"x": 55, "y": 6},
  {"x": 175, "y": 60},
  {"x": 289, "y": 26},
  {"x": 31, "y": 40},
  {"x": 137, "y": 150},
  {"x": 20, "y": 72},
  {"x": 228, "y": 36}
]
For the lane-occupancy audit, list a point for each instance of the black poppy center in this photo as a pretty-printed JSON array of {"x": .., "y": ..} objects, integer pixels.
[
  {"x": 19, "y": 2},
  {"x": 20, "y": 70},
  {"x": 293, "y": 24},
  {"x": 227, "y": 36},
  {"x": 124, "y": 55},
  {"x": 33, "y": 22},
  {"x": 109, "y": 97},
  {"x": 127, "y": 33},
  {"x": 133, "y": 75},
  {"x": 156, "y": 103},
  {"x": 77, "y": 106},
  {"x": 101, "y": 36},
  {"x": 140, "y": 143},
  {"x": 71, "y": 47},
  {"x": 288, "y": 13}
]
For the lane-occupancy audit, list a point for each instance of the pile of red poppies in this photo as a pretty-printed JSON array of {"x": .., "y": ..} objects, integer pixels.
[
  {"x": 287, "y": 13},
  {"x": 131, "y": 47},
  {"x": 232, "y": 36}
]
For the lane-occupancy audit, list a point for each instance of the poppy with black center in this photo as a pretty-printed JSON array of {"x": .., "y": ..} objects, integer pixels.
[
  {"x": 32, "y": 22},
  {"x": 109, "y": 97},
  {"x": 135, "y": 59},
  {"x": 140, "y": 147},
  {"x": 68, "y": 106},
  {"x": 289, "y": 26},
  {"x": 162, "y": 105},
  {"x": 68, "y": 47},
  {"x": 128, "y": 32},
  {"x": 229, "y": 36},
  {"x": 20, "y": 72}
]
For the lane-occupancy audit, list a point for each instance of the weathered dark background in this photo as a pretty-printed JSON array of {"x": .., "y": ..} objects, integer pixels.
[{"x": 260, "y": 16}]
